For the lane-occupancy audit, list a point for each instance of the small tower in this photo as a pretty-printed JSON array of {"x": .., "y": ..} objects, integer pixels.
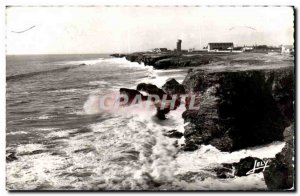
[{"x": 179, "y": 45}]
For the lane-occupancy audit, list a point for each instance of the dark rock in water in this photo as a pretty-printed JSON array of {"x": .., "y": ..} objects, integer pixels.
[
  {"x": 118, "y": 55},
  {"x": 161, "y": 114},
  {"x": 242, "y": 168},
  {"x": 239, "y": 108},
  {"x": 172, "y": 87},
  {"x": 11, "y": 157},
  {"x": 173, "y": 134},
  {"x": 162, "y": 100},
  {"x": 132, "y": 94},
  {"x": 280, "y": 174},
  {"x": 225, "y": 171},
  {"x": 245, "y": 165},
  {"x": 151, "y": 89},
  {"x": 190, "y": 146},
  {"x": 175, "y": 144}
]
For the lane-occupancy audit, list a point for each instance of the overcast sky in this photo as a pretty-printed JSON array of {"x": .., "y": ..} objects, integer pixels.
[{"x": 67, "y": 30}]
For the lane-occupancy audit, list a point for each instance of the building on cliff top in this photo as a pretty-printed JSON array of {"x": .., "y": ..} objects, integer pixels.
[
  {"x": 178, "y": 45},
  {"x": 159, "y": 50},
  {"x": 220, "y": 46},
  {"x": 287, "y": 49}
]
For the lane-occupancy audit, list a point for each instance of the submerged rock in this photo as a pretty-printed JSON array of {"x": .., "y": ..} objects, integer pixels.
[
  {"x": 239, "y": 108},
  {"x": 280, "y": 174},
  {"x": 173, "y": 134},
  {"x": 11, "y": 157},
  {"x": 190, "y": 146}
]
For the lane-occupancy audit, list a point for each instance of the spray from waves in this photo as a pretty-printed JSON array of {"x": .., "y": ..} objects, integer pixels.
[
  {"x": 156, "y": 165},
  {"x": 125, "y": 152},
  {"x": 156, "y": 152},
  {"x": 163, "y": 166},
  {"x": 97, "y": 104}
]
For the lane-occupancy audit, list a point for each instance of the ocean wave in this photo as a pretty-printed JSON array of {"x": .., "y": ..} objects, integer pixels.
[
  {"x": 86, "y": 62},
  {"x": 17, "y": 133},
  {"x": 31, "y": 74},
  {"x": 96, "y": 83}
]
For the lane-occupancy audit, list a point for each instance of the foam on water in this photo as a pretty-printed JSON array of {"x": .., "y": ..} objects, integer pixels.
[
  {"x": 127, "y": 151},
  {"x": 87, "y": 62},
  {"x": 17, "y": 133}
]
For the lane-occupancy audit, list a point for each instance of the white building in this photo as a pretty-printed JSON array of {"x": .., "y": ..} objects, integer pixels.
[{"x": 287, "y": 49}]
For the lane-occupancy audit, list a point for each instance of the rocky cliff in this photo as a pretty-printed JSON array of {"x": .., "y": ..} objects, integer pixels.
[
  {"x": 243, "y": 101},
  {"x": 281, "y": 172},
  {"x": 239, "y": 107},
  {"x": 170, "y": 60}
]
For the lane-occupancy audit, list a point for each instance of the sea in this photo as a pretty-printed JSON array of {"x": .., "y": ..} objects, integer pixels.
[{"x": 60, "y": 139}]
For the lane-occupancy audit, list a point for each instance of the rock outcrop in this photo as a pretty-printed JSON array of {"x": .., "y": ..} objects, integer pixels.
[
  {"x": 173, "y": 134},
  {"x": 151, "y": 89},
  {"x": 172, "y": 87},
  {"x": 239, "y": 108},
  {"x": 244, "y": 167},
  {"x": 11, "y": 157},
  {"x": 118, "y": 55},
  {"x": 168, "y": 60},
  {"x": 131, "y": 94},
  {"x": 163, "y": 101},
  {"x": 280, "y": 174}
]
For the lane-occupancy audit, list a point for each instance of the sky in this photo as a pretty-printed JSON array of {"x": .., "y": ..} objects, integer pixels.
[{"x": 81, "y": 30}]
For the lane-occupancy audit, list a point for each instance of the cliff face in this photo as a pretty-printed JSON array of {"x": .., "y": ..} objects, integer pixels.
[
  {"x": 239, "y": 108},
  {"x": 280, "y": 173}
]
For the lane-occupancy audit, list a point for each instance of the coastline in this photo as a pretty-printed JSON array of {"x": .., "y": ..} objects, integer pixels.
[{"x": 260, "y": 84}]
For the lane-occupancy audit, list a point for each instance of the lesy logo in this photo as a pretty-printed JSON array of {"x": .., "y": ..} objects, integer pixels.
[{"x": 257, "y": 166}]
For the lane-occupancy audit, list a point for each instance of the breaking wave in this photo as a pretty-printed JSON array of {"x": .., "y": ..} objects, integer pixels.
[{"x": 27, "y": 75}]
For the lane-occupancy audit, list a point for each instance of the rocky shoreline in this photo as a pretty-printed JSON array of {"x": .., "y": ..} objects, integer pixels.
[
  {"x": 244, "y": 100},
  {"x": 171, "y": 60}
]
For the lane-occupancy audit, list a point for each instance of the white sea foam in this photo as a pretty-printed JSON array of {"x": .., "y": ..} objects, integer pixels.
[
  {"x": 127, "y": 151},
  {"x": 96, "y": 83},
  {"x": 29, "y": 148},
  {"x": 208, "y": 156},
  {"x": 17, "y": 133},
  {"x": 87, "y": 62}
]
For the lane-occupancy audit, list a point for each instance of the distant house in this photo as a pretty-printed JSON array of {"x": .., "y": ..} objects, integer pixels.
[
  {"x": 260, "y": 49},
  {"x": 159, "y": 50},
  {"x": 191, "y": 50},
  {"x": 287, "y": 49},
  {"x": 248, "y": 48},
  {"x": 163, "y": 49},
  {"x": 238, "y": 49},
  {"x": 220, "y": 46}
]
